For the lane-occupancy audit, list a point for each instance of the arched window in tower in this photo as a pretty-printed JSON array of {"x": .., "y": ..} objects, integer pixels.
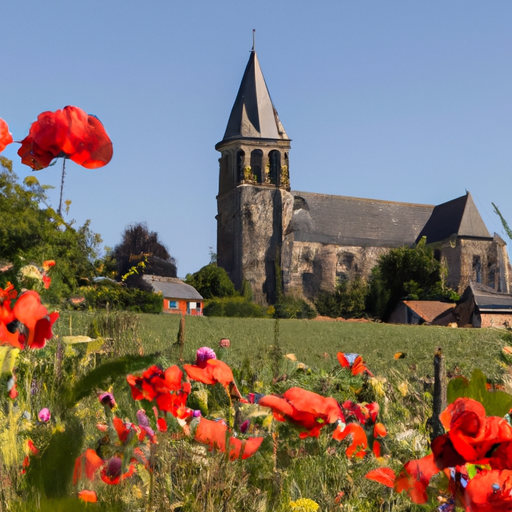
[
  {"x": 274, "y": 158},
  {"x": 240, "y": 165},
  {"x": 285, "y": 173},
  {"x": 256, "y": 164},
  {"x": 225, "y": 177}
]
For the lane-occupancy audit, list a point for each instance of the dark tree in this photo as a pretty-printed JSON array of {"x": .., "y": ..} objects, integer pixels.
[{"x": 141, "y": 249}]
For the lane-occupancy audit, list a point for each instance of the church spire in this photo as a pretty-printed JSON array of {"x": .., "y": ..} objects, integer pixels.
[{"x": 253, "y": 115}]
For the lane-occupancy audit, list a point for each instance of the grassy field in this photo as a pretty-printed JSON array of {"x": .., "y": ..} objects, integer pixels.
[{"x": 314, "y": 342}]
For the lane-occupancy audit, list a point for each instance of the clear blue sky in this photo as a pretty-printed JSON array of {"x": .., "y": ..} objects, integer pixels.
[{"x": 400, "y": 100}]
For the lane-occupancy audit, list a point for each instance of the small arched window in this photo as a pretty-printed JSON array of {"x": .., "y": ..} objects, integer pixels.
[
  {"x": 240, "y": 165},
  {"x": 275, "y": 167},
  {"x": 256, "y": 164}
]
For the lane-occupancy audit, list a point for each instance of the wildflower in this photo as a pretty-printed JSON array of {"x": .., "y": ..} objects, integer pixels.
[
  {"x": 112, "y": 472},
  {"x": 209, "y": 370},
  {"x": 354, "y": 362},
  {"x": 306, "y": 409},
  {"x": 106, "y": 398},
  {"x": 44, "y": 415},
  {"x": 88, "y": 463},
  {"x": 88, "y": 496},
  {"x": 70, "y": 133},
  {"x": 31, "y": 325},
  {"x": 385, "y": 476},
  {"x": 359, "y": 442},
  {"x": 304, "y": 505},
  {"x": 224, "y": 343},
  {"x": 5, "y": 135}
]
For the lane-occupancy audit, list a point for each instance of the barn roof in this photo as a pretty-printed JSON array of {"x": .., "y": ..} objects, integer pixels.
[
  {"x": 489, "y": 300},
  {"x": 458, "y": 217},
  {"x": 172, "y": 288},
  {"x": 354, "y": 221},
  {"x": 429, "y": 310},
  {"x": 253, "y": 115}
]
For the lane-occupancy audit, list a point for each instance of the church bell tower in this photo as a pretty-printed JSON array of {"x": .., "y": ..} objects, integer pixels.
[{"x": 254, "y": 184}]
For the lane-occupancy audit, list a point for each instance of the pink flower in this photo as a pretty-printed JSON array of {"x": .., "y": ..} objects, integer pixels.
[
  {"x": 204, "y": 354},
  {"x": 44, "y": 415}
]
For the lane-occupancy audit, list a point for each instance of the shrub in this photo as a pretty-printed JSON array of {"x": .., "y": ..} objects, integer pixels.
[
  {"x": 211, "y": 281},
  {"x": 289, "y": 307},
  {"x": 348, "y": 300},
  {"x": 233, "y": 307},
  {"x": 114, "y": 296}
]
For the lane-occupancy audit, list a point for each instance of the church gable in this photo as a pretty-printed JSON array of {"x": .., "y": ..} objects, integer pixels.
[{"x": 458, "y": 217}]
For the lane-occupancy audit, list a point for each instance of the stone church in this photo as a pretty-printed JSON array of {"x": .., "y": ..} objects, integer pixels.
[{"x": 301, "y": 242}]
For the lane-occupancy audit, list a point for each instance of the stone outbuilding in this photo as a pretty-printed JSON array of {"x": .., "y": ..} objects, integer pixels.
[{"x": 418, "y": 312}]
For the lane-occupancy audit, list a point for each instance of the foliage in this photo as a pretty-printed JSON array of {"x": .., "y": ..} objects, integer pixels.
[
  {"x": 233, "y": 307},
  {"x": 289, "y": 307},
  {"x": 506, "y": 227},
  {"x": 31, "y": 231},
  {"x": 114, "y": 296},
  {"x": 496, "y": 403},
  {"x": 406, "y": 273},
  {"x": 139, "y": 244},
  {"x": 348, "y": 300},
  {"x": 211, "y": 282}
]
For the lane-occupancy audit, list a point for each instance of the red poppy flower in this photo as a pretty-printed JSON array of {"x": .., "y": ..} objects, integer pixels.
[
  {"x": 33, "y": 323},
  {"x": 88, "y": 496},
  {"x": 125, "y": 430},
  {"x": 166, "y": 388},
  {"x": 243, "y": 448},
  {"x": 471, "y": 432},
  {"x": 214, "y": 433},
  {"x": 489, "y": 491},
  {"x": 70, "y": 133},
  {"x": 5, "y": 136},
  {"x": 6, "y": 314},
  {"x": 379, "y": 430},
  {"x": 88, "y": 463},
  {"x": 359, "y": 441},
  {"x": 354, "y": 362},
  {"x": 304, "y": 408},
  {"x": 415, "y": 478},
  {"x": 385, "y": 476}
]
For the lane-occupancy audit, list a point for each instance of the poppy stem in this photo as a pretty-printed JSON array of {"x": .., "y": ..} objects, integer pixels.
[{"x": 62, "y": 186}]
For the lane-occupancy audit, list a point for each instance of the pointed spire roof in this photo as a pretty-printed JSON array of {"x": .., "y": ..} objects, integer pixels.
[
  {"x": 253, "y": 115},
  {"x": 458, "y": 217}
]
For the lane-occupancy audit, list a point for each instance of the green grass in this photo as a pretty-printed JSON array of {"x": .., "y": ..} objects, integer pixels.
[{"x": 317, "y": 342}]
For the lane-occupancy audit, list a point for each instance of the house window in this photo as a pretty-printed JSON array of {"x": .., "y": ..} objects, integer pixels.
[
  {"x": 477, "y": 269},
  {"x": 173, "y": 304}
]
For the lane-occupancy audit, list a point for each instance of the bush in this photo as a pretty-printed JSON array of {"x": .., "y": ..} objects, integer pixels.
[
  {"x": 233, "y": 307},
  {"x": 348, "y": 300},
  {"x": 289, "y": 307},
  {"x": 116, "y": 297}
]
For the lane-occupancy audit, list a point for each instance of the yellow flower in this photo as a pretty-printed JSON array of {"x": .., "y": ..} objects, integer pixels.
[
  {"x": 403, "y": 388},
  {"x": 304, "y": 505},
  {"x": 378, "y": 386}
]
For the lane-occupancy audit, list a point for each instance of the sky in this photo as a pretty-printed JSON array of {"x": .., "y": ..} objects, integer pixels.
[{"x": 400, "y": 100}]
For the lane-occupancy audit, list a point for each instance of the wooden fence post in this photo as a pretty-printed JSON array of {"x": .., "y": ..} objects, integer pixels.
[{"x": 440, "y": 398}]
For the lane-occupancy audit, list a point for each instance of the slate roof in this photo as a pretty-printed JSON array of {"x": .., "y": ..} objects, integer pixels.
[
  {"x": 253, "y": 115},
  {"x": 172, "y": 288},
  {"x": 429, "y": 310},
  {"x": 458, "y": 217},
  {"x": 354, "y": 221},
  {"x": 489, "y": 300}
]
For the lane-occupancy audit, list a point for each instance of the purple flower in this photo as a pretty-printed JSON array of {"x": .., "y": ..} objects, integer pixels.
[
  {"x": 203, "y": 354},
  {"x": 107, "y": 398},
  {"x": 244, "y": 426},
  {"x": 44, "y": 415}
]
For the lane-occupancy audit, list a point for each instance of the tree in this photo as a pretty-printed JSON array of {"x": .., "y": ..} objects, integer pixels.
[
  {"x": 141, "y": 249},
  {"x": 31, "y": 232},
  {"x": 406, "y": 273},
  {"x": 348, "y": 300},
  {"x": 211, "y": 281}
]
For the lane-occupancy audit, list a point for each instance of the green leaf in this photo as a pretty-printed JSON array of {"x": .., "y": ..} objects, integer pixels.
[
  {"x": 8, "y": 356},
  {"x": 496, "y": 403},
  {"x": 104, "y": 375}
]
